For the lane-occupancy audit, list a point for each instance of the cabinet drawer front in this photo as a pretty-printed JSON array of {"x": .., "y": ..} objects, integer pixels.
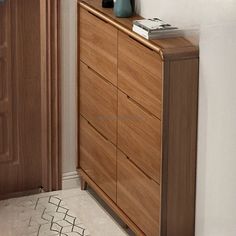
[
  {"x": 139, "y": 136},
  {"x": 138, "y": 196},
  {"x": 98, "y": 45},
  {"x": 140, "y": 74},
  {"x": 98, "y": 102},
  {"x": 98, "y": 158}
]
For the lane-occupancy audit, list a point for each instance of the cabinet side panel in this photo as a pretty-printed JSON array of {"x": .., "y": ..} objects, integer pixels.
[
  {"x": 78, "y": 84},
  {"x": 181, "y": 143}
]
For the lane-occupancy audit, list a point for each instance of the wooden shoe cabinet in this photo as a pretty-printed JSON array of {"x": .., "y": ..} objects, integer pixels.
[{"x": 138, "y": 103}]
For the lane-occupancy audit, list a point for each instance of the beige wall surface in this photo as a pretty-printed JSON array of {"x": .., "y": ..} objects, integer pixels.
[
  {"x": 216, "y": 174},
  {"x": 69, "y": 74}
]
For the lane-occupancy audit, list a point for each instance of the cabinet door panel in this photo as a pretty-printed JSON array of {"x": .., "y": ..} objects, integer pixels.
[
  {"x": 98, "y": 102},
  {"x": 98, "y": 45},
  {"x": 98, "y": 158},
  {"x": 139, "y": 136},
  {"x": 140, "y": 73},
  {"x": 138, "y": 196}
]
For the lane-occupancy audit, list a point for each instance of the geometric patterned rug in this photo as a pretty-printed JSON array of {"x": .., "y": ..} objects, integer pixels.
[
  {"x": 47, "y": 216},
  {"x": 56, "y": 217}
]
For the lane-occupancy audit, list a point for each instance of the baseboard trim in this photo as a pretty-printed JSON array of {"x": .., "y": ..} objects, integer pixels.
[
  {"x": 70, "y": 175},
  {"x": 70, "y": 180}
]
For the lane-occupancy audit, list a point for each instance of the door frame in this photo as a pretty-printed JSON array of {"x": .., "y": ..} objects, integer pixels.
[{"x": 51, "y": 82}]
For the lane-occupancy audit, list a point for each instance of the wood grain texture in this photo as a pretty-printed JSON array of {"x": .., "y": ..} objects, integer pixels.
[
  {"x": 78, "y": 85},
  {"x": 50, "y": 23},
  {"x": 138, "y": 196},
  {"x": 172, "y": 48},
  {"x": 28, "y": 131},
  {"x": 181, "y": 137},
  {"x": 22, "y": 97},
  {"x": 157, "y": 129},
  {"x": 98, "y": 45},
  {"x": 46, "y": 102},
  {"x": 2, "y": 135},
  {"x": 98, "y": 158},
  {"x": 164, "y": 164},
  {"x": 56, "y": 138},
  {"x": 139, "y": 136},
  {"x": 98, "y": 102},
  {"x": 111, "y": 204},
  {"x": 6, "y": 108},
  {"x": 140, "y": 73}
]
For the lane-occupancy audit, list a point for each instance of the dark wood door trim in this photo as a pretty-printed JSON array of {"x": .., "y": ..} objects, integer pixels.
[
  {"x": 52, "y": 171},
  {"x": 30, "y": 113}
]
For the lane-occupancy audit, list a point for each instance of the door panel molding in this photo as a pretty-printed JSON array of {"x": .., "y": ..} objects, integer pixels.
[
  {"x": 30, "y": 96},
  {"x": 9, "y": 130}
]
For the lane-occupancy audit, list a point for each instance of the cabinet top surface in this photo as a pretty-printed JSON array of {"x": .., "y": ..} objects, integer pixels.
[{"x": 168, "y": 48}]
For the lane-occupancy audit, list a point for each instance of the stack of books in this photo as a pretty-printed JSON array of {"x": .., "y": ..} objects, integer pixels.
[{"x": 155, "y": 28}]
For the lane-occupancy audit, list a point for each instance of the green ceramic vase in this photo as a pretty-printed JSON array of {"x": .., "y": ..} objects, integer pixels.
[{"x": 123, "y": 8}]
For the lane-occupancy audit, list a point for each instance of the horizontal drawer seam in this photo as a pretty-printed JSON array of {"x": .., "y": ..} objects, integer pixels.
[
  {"x": 123, "y": 28},
  {"x": 82, "y": 172},
  {"x": 104, "y": 137},
  {"x": 100, "y": 76},
  {"x": 94, "y": 181},
  {"x": 137, "y": 65},
  {"x": 141, "y": 43},
  {"x": 100, "y": 133},
  {"x": 138, "y": 167},
  {"x": 139, "y": 105}
]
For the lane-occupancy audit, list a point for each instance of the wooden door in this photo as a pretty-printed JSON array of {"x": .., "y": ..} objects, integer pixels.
[{"x": 24, "y": 97}]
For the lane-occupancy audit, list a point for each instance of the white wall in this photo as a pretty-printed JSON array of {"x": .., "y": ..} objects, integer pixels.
[
  {"x": 69, "y": 73},
  {"x": 216, "y": 174}
]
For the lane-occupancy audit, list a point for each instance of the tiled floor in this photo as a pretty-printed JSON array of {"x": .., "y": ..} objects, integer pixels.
[{"x": 67, "y": 213}]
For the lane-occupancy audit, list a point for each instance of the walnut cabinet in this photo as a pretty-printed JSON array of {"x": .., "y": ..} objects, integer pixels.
[{"x": 137, "y": 122}]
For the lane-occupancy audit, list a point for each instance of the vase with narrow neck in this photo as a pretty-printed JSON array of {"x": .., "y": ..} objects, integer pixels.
[{"x": 123, "y": 8}]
